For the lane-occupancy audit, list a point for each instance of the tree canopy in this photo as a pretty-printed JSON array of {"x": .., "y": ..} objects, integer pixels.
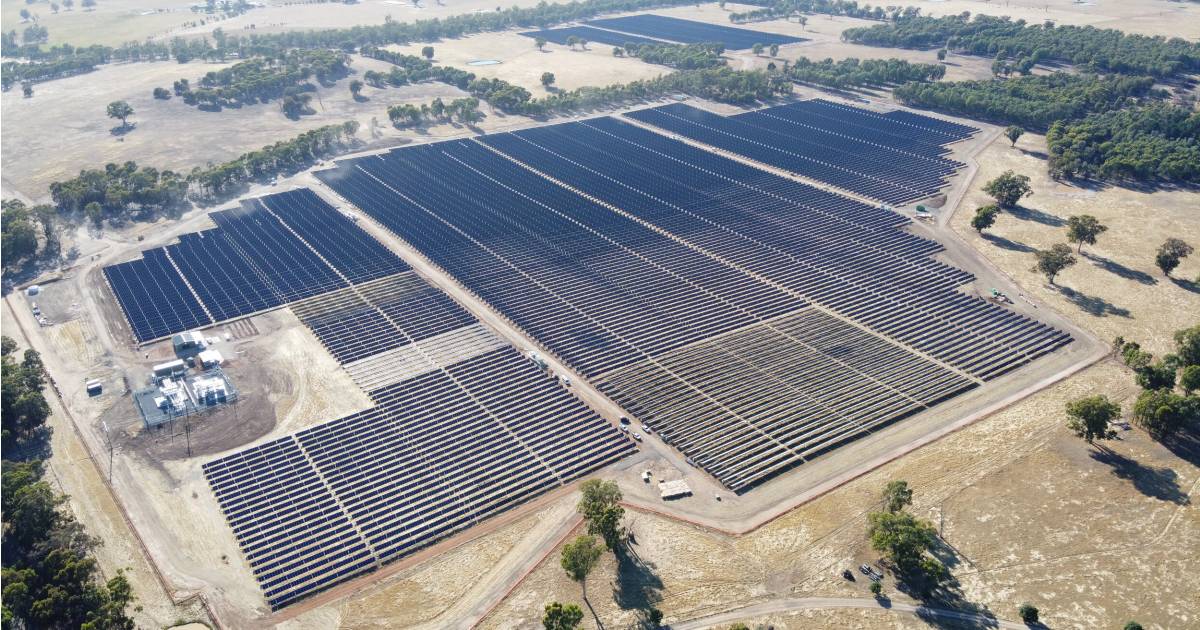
[
  {"x": 1084, "y": 229},
  {"x": 1170, "y": 253},
  {"x": 897, "y": 496},
  {"x": 985, "y": 217},
  {"x": 1051, "y": 262},
  {"x": 1089, "y": 417},
  {"x": 599, "y": 505},
  {"x": 1008, "y": 188},
  {"x": 1032, "y": 102},
  {"x": 561, "y": 616},
  {"x": 1101, "y": 50},
  {"x": 1154, "y": 142}
]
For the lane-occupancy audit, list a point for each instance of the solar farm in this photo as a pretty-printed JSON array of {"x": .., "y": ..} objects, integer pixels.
[
  {"x": 649, "y": 28},
  {"x": 704, "y": 273}
]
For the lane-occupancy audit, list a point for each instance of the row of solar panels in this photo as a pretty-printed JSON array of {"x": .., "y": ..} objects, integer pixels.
[
  {"x": 618, "y": 248},
  {"x": 650, "y": 28},
  {"x": 892, "y": 170},
  {"x": 439, "y": 452},
  {"x": 270, "y": 251}
]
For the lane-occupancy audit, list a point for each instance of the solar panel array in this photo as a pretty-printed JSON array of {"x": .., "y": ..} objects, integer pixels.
[
  {"x": 892, "y": 168},
  {"x": 358, "y": 322},
  {"x": 691, "y": 32},
  {"x": 462, "y": 427},
  {"x": 699, "y": 292},
  {"x": 268, "y": 252},
  {"x": 442, "y": 450},
  {"x": 592, "y": 35}
]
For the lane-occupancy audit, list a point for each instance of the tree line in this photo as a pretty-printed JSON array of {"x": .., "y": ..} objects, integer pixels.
[
  {"x": 267, "y": 78},
  {"x": 13, "y": 72},
  {"x": 288, "y": 156},
  {"x": 27, "y": 232},
  {"x": 126, "y": 192},
  {"x": 1087, "y": 47},
  {"x": 680, "y": 56},
  {"x": 773, "y": 10},
  {"x": 719, "y": 83},
  {"x": 854, "y": 72},
  {"x": 1155, "y": 142},
  {"x": 50, "y": 578},
  {"x": 1034, "y": 102},
  {"x": 464, "y": 110}
]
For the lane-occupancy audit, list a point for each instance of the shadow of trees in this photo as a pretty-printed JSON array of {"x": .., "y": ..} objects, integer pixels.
[
  {"x": 1186, "y": 285},
  {"x": 1118, "y": 269},
  {"x": 1004, "y": 243},
  {"x": 638, "y": 586},
  {"x": 1157, "y": 483},
  {"x": 1093, "y": 305},
  {"x": 1030, "y": 214}
]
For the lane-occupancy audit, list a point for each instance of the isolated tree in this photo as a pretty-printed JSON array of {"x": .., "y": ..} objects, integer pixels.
[
  {"x": 1189, "y": 379},
  {"x": 876, "y": 589},
  {"x": 583, "y": 42},
  {"x": 69, "y": 4},
  {"x": 1028, "y": 613},
  {"x": 896, "y": 496},
  {"x": 721, "y": 4},
  {"x": 572, "y": 41},
  {"x": 757, "y": 49},
  {"x": 905, "y": 540},
  {"x": 54, "y": 7},
  {"x": 1170, "y": 253},
  {"x": 1013, "y": 133},
  {"x": 427, "y": 52},
  {"x": 618, "y": 51},
  {"x": 599, "y": 505},
  {"x": 88, "y": 4},
  {"x": 985, "y": 217},
  {"x": 1008, "y": 188},
  {"x": 1133, "y": 625},
  {"x": 540, "y": 42},
  {"x": 1051, "y": 262},
  {"x": 579, "y": 557},
  {"x": 161, "y": 93},
  {"x": 941, "y": 54},
  {"x": 356, "y": 88},
  {"x": 774, "y": 50},
  {"x": 121, "y": 110},
  {"x": 27, "y": 89},
  {"x": 1089, "y": 418},
  {"x": 561, "y": 616},
  {"x": 547, "y": 79},
  {"x": 1084, "y": 229},
  {"x": 1162, "y": 412},
  {"x": 25, "y": 14},
  {"x": 803, "y": 22}
]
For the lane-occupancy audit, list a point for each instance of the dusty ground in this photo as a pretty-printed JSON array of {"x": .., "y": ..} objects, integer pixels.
[
  {"x": 1115, "y": 288},
  {"x": 1011, "y": 543},
  {"x": 168, "y": 134}
]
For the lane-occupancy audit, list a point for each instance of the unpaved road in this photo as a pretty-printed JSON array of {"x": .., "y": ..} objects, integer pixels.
[{"x": 817, "y": 603}]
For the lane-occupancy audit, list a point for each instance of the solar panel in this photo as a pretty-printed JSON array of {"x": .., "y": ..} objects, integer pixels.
[
  {"x": 691, "y": 32},
  {"x": 155, "y": 300}
]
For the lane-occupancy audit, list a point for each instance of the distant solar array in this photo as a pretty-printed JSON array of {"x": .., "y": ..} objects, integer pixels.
[
  {"x": 852, "y": 149},
  {"x": 591, "y": 35},
  {"x": 691, "y": 32},
  {"x": 756, "y": 321},
  {"x": 268, "y": 252},
  {"x": 651, "y": 29}
]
